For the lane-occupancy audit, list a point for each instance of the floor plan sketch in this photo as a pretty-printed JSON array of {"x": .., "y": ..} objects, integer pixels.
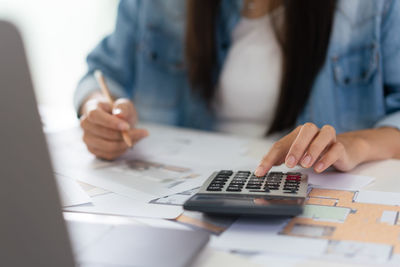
[{"x": 355, "y": 229}]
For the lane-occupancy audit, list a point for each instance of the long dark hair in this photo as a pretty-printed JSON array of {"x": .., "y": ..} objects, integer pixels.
[{"x": 304, "y": 38}]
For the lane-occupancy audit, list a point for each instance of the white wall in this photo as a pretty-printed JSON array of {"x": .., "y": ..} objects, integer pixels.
[{"x": 58, "y": 35}]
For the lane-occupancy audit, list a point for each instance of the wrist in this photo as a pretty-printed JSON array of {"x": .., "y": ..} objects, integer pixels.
[{"x": 372, "y": 144}]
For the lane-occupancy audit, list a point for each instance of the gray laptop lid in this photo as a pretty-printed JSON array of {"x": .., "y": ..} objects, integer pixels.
[{"x": 32, "y": 230}]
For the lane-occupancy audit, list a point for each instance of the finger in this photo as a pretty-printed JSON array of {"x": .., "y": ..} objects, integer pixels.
[
  {"x": 106, "y": 106},
  {"x": 137, "y": 134},
  {"x": 96, "y": 103},
  {"x": 124, "y": 109},
  {"x": 324, "y": 139},
  {"x": 100, "y": 131},
  {"x": 104, "y": 145},
  {"x": 102, "y": 118},
  {"x": 276, "y": 154},
  {"x": 104, "y": 155},
  {"x": 306, "y": 134},
  {"x": 334, "y": 153}
]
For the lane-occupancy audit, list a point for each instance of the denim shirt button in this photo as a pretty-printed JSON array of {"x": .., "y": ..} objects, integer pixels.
[
  {"x": 154, "y": 55},
  {"x": 364, "y": 74},
  {"x": 347, "y": 80}
]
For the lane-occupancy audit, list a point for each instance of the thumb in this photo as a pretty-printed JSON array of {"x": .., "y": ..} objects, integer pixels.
[{"x": 124, "y": 109}]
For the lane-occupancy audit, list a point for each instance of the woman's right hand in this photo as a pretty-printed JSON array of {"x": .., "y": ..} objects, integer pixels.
[{"x": 103, "y": 123}]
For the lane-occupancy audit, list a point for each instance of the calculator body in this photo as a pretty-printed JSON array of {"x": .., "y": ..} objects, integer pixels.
[{"x": 243, "y": 193}]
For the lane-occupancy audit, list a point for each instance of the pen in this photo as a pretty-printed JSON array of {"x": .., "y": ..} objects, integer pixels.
[{"x": 106, "y": 92}]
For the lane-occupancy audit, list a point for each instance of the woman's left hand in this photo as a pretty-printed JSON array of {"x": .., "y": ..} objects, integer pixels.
[{"x": 310, "y": 146}]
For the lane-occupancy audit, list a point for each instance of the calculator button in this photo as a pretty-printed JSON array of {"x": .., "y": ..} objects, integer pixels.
[
  {"x": 256, "y": 181},
  {"x": 259, "y": 185},
  {"x": 275, "y": 174},
  {"x": 291, "y": 188},
  {"x": 228, "y": 172},
  {"x": 273, "y": 184},
  {"x": 218, "y": 180},
  {"x": 253, "y": 187},
  {"x": 288, "y": 185},
  {"x": 274, "y": 178},
  {"x": 241, "y": 176},
  {"x": 235, "y": 185},
  {"x": 222, "y": 177},
  {"x": 238, "y": 182},
  {"x": 292, "y": 182},
  {"x": 216, "y": 184},
  {"x": 214, "y": 188},
  {"x": 234, "y": 189}
]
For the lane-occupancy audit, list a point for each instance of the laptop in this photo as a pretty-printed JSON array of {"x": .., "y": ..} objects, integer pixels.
[{"x": 32, "y": 229}]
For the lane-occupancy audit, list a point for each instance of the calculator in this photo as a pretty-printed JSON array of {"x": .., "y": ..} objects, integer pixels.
[{"x": 243, "y": 193}]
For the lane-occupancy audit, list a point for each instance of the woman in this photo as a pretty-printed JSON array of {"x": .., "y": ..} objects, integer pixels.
[{"x": 253, "y": 67}]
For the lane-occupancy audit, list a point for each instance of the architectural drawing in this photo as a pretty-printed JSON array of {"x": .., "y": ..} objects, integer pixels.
[{"x": 355, "y": 230}]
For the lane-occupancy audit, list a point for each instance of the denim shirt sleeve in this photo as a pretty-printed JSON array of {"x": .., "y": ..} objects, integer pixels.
[
  {"x": 114, "y": 56},
  {"x": 390, "y": 41}
]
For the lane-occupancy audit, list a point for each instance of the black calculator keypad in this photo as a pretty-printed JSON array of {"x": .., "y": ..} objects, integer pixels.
[
  {"x": 238, "y": 181},
  {"x": 274, "y": 182},
  {"x": 292, "y": 183},
  {"x": 219, "y": 181}
]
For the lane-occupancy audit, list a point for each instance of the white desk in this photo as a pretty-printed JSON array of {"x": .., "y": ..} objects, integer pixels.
[{"x": 387, "y": 179}]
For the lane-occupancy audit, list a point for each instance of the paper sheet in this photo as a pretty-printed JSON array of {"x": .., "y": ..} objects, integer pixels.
[
  {"x": 331, "y": 179},
  {"x": 252, "y": 234},
  {"x": 376, "y": 197},
  {"x": 269, "y": 259},
  {"x": 71, "y": 193},
  {"x": 169, "y": 161},
  {"x": 113, "y": 204},
  {"x": 340, "y": 181}
]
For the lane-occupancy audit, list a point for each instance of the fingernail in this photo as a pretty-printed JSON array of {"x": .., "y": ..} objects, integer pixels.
[
  {"x": 123, "y": 126},
  {"x": 259, "y": 171},
  {"x": 306, "y": 161},
  {"x": 290, "y": 161},
  {"x": 116, "y": 111},
  {"x": 319, "y": 167}
]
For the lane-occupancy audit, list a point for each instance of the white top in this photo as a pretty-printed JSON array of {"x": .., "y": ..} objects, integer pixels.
[{"x": 249, "y": 85}]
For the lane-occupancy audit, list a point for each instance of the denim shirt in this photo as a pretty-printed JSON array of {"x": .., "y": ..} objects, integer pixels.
[{"x": 358, "y": 86}]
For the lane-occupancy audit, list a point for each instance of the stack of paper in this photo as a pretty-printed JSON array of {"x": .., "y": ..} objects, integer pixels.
[{"x": 168, "y": 162}]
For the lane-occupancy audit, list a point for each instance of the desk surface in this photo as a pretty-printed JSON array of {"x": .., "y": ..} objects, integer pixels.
[{"x": 386, "y": 174}]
